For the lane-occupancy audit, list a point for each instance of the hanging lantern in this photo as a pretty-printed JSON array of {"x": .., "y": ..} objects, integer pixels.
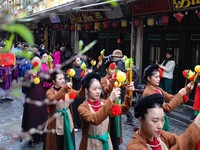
[
  {"x": 124, "y": 24},
  {"x": 114, "y": 24},
  {"x": 72, "y": 27},
  {"x": 87, "y": 26},
  {"x": 79, "y": 27},
  {"x": 54, "y": 27},
  {"x": 150, "y": 22},
  {"x": 57, "y": 27},
  {"x": 61, "y": 27},
  {"x": 105, "y": 25},
  {"x": 198, "y": 14},
  {"x": 66, "y": 27},
  {"x": 137, "y": 22},
  {"x": 165, "y": 20},
  {"x": 179, "y": 17},
  {"x": 97, "y": 26},
  {"x": 118, "y": 40}
]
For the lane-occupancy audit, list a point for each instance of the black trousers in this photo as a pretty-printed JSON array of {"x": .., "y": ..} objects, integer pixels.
[{"x": 60, "y": 141}]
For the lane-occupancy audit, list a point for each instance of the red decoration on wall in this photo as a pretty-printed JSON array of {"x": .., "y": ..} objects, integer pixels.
[
  {"x": 87, "y": 26},
  {"x": 105, "y": 25},
  {"x": 179, "y": 16},
  {"x": 137, "y": 22},
  {"x": 165, "y": 20}
]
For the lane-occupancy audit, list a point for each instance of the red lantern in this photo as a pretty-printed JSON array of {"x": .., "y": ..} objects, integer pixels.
[
  {"x": 137, "y": 22},
  {"x": 198, "y": 14},
  {"x": 87, "y": 26},
  {"x": 72, "y": 27},
  {"x": 66, "y": 27},
  {"x": 105, "y": 25},
  {"x": 118, "y": 40},
  {"x": 61, "y": 27},
  {"x": 165, "y": 20},
  {"x": 179, "y": 16},
  {"x": 114, "y": 24}
]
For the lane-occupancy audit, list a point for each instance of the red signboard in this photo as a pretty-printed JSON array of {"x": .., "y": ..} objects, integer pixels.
[
  {"x": 7, "y": 59},
  {"x": 143, "y": 7}
]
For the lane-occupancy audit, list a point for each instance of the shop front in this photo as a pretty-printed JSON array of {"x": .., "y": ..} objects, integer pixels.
[{"x": 175, "y": 25}]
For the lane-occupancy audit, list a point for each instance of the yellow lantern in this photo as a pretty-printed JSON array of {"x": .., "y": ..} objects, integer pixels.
[
  {"x": 79, "y": 26},
  {"x": 124, "y": 23},
  {"x": 150, "y": 22},
  {"x": 97, "y": 26}
]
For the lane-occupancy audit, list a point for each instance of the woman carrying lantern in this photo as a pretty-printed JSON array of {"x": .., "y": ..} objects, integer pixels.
[
  {"x": 95, "y": 113},
  {"x": 61, "y": 95},
  {"x": 152, "y": 80}
]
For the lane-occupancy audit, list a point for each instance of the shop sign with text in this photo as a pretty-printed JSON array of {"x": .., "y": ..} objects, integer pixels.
[
  {"x": 185, "y": 4},
  {"x": 87, "y": 17}
]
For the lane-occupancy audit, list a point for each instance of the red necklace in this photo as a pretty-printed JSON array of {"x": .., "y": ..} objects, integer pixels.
[{"x": 95, "y": 105}]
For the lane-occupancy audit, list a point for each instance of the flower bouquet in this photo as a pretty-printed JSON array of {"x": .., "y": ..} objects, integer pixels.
[
  {"x": 191, "y": 76},
  {"x": 120, "y": 78},
  {"x": 36, "y": 63}
]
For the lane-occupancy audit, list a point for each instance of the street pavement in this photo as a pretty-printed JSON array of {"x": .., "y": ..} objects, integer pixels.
[{"x": 10, "y": 126}]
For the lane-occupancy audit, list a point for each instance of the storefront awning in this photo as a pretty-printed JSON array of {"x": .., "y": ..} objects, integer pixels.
[{"x": 29, "y": 19}]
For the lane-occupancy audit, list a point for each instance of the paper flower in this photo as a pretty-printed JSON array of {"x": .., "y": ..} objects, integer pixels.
[
  {"x": 117, "y": 84},
  {"x": 100, "y": 58},
  {"x": 128, "y": 63},
  {"x": 82, "y": 74},
  {"x": 197, "y": 69},
  {"x": 50, "y": 61},
  {"x": 184, "y": 73},
  {"x": 72, "y": 95},
  {"x": 83, "y": 66},
  {"x": 70, "y": 72},
  {"x": 124, "y": 58},
  {"x": 121, "y": 76},
  {"x": 93, "y": 62},
  {"x": 116, "y": 110},
  {"x": 36, "y": 80},
  {"x": 35, "y": 63},
  {"x": 102, "y": 52},
  {"x": 189, "y": 74},
  {"x": 112, "y": 66}
]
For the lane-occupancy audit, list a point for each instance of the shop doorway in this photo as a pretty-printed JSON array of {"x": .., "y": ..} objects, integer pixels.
[{"x": 155, "y": 46}]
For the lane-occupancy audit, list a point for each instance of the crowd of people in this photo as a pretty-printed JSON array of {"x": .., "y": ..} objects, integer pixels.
[{"x": 58, "y": 104}]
